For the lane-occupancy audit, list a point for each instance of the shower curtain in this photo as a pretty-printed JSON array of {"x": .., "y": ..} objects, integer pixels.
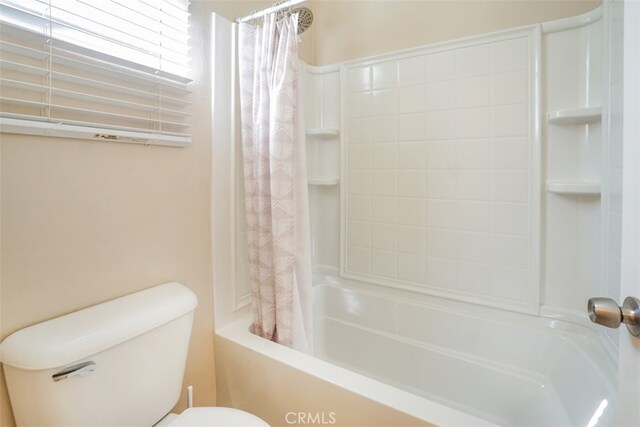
[{"x": 275, "y": 182}]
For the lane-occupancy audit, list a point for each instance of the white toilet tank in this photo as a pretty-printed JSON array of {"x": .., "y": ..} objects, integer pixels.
[{"x": 126, "y": 359}]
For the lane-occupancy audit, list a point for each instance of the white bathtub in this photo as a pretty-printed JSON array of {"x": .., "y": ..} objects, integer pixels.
[{"x": 442, "y": 362}]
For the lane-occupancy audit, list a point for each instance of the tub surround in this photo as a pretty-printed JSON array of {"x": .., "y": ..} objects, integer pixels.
[{"x": 440, "y": 170}]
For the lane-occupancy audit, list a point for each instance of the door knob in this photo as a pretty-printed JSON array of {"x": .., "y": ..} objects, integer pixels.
[{"x": 606, "y": 312}]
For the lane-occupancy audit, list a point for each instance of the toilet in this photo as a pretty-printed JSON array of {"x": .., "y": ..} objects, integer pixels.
[{"x": 119, "y": 363}]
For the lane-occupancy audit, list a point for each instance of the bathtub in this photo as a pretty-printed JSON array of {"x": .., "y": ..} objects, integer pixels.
[{"x": 417, "y": 360}]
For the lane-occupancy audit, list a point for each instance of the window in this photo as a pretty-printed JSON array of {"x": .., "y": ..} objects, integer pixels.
[{"x": 113, "y": 70}]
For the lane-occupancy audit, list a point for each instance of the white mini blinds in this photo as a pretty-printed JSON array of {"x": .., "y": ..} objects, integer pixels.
[{"x": 112, "y": 70}]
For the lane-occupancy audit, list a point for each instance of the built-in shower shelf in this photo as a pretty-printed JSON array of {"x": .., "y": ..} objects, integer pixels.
[
  {"x": 573, "y": 187},
  {"x": 323, "y": 132},
  {"x": 326, "y": 181},
  {"x": 576, "y": 116}
]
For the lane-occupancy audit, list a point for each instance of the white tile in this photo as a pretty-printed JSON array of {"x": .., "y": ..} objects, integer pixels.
[
  {"x": 358, "y": 131},
  {"x": 442, "y": 243},
  {"x": 384, "y": 182},
  {"x": 411, "y": 99},
  {"x": 474, "y": 185},
  {"x": 359, "y": 156},
  {"x": 412, "y": 240},
  {"x": 510, "y": 120},
  {"x": 359, "y": 233},
  {"x": 412, "y": 212},
  {"x": 411, "y": 127},
  {"x": 473, "y": 123},
  {"x": 359, "y": 79},
  {"x": 442, "y": 213},
  {"x": 509, "y": 251},
  {"x": 474, "y": 247},
  {"x": 358, "y": 259},
  {"x": 360, "y": 208},
  {"x": 474, "y": 216},
  {"x": 510, "y": 186},
  {"x": 385, "y": 102},
  {"x": 440, "y": 95},
  {"x": 359, "y": 182},
  {"x": 440, "y": 66},
  {"x": 411, "y": 70},
  {"x": 441, "y": 154},
  {"x": 412, "y": 268},
  {"x": 473, "y": 92},
  {"x": 510, "y": 153},
  {"x": 384, "y": 263},
  {"x": 384, "y": 156},
  {"x": 411, "y": 183},
  {"x": 359, "y": 104},
  {"x": 508, "y": 283},
  {"x": 441, "y": 184},
  {"x": 385, "y": 75},
  {"x": 472, "y": 61},
  {"x": 510, "y": 218},
  {"x": 441, "y": 272},
  {"x": 509, "y": 55},
  {"x": 384, "y": 129},
  {"x": 474, "y": 278},
  {"x": 412, "y": 155},
  {"x": 510, "y": 88},
  {"x": 385, "y": 209},
  {"x": 473, "y": 154},
  {"x": 384, "y": 236},
  {"x": 441, "y": 125}
]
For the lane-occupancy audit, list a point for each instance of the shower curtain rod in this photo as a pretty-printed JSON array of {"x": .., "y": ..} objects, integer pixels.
[{"x": 273, "y": 8}]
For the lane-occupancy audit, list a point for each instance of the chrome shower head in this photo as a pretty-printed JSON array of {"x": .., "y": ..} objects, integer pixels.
[{"x": 305, "y": 19}]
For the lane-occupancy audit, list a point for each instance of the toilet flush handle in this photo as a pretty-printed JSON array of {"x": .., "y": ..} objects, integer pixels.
[{"x": 81, "y": 370}]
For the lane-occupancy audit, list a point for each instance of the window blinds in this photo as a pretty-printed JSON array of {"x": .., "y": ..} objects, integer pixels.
[{"x": 110, "y": 70}]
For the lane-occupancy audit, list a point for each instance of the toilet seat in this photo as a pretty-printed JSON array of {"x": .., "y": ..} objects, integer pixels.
[{"x": 215, "y": 417}]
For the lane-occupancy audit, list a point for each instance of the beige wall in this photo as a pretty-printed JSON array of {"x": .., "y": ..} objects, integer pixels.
[{"x": 344, "y": 30}]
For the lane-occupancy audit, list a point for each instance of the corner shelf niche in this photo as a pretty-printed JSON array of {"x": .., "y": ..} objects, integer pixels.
[
  {"x": 573, "y": 187},
  {"x": 576, "y": 116},
  {"x": 323, "y": 132},
  {"x": 324, "y": 181}
]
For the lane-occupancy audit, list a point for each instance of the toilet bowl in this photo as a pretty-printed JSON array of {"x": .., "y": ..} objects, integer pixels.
[
  {"x": 119, "y": 363},
  {"x": 218, "y": 416}
]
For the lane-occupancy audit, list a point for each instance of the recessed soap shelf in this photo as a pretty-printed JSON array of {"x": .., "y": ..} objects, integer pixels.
[
  {"x": 323, "y": 132},
  {"x": 576, "y": 116},
  {"x": 324, "y": 180},
  {"x": 577, "y": 187}
]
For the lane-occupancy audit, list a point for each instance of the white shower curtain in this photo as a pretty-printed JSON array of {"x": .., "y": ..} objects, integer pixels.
[{"x": 275, "y": 181}]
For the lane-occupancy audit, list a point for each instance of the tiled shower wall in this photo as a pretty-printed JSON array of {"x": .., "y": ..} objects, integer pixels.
[{"x": 440, "y": 157}]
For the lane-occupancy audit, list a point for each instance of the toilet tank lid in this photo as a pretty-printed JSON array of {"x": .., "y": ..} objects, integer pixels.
[{"x": 74, "y": 336}]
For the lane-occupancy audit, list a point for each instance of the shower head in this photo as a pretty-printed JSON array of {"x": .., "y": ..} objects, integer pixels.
[{"x": 305, "y": 19}]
